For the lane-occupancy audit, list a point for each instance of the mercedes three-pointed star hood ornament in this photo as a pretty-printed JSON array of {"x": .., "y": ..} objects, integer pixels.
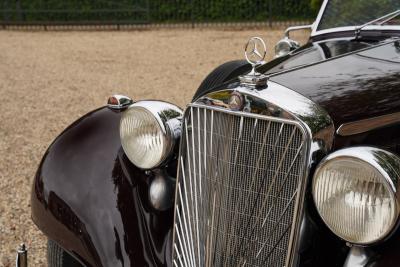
[{"x": 255, "y": 52}]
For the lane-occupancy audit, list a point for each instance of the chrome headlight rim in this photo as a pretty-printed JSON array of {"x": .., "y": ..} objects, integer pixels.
[
  {"x": 391, "y": 181},
  {"x": 167, "y": 118}
]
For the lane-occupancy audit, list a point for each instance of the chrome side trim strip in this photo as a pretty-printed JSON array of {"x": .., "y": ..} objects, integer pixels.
[{"x": 369, "y": 124}]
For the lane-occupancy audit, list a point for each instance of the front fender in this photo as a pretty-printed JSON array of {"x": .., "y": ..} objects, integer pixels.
[{"x": 93, "y": 202}]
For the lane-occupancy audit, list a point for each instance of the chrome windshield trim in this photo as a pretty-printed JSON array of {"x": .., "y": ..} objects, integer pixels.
[
  {"x": 353, "y": 28},
  {"x": 316, "y": 32},
  {"x": 319, "y": 17}
]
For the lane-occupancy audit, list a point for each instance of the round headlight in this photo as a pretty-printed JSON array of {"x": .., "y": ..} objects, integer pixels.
[
  {"x": 149, "y": 131},
  {"x": 285, "y": 46},
  {"x": 355, "y": 192}
]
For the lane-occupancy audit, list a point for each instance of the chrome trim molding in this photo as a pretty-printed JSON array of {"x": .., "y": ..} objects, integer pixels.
[
  {"x": 276, "y": 103},
  {"x": 363, "y": 126},
  {"x": 319, "y": 17},
  {"x": 119, "y": 102},
  {"x": 385, "y": 162}
]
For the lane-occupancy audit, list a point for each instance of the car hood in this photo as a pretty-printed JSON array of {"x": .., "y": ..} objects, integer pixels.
[{"x": 361, "y": 83}]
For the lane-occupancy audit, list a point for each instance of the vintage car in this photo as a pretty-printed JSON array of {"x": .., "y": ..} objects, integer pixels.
[{"x": 292, "y": 162}]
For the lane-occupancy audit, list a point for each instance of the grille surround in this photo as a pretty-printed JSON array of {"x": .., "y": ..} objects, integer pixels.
[{"x": 187, "y": 254}]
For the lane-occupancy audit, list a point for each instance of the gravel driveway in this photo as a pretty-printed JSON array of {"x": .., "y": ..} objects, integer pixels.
[{"x": 49, "y": 79}]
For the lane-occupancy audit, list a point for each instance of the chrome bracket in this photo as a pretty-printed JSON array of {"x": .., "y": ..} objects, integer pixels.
[
  {"x": 119, "y": 102},
  {"x": 254, "y": 79}
]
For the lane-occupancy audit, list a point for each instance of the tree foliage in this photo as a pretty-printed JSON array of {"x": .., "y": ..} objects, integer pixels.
[
  {"x": 315, "y": 5},
  {"x": 156, "y": 10}
]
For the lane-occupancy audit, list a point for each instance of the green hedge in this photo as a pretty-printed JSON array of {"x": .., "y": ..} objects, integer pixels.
[{"x": 156, "y": 10}]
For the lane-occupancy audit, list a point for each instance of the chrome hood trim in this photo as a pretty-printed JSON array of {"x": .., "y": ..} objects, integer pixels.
[
  {"x": 366, "y": 125},
  {"x": 282, "y": 102}
]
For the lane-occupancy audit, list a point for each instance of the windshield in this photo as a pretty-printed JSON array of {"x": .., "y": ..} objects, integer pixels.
[{"x": 341, "y": 13}]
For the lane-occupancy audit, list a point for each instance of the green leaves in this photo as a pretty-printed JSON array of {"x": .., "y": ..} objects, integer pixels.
[
  {"x": 158, "y": 11},
  {"x": 315, "y": 5}
]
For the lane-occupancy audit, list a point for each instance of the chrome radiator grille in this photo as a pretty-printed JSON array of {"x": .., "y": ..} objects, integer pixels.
[{"x": 238, "y": 185}]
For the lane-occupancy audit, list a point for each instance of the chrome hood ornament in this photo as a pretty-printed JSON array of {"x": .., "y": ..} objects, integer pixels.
[{"x": 255, "y": 52}]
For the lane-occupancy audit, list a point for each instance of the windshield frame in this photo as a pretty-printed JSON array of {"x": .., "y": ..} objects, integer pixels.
[{"x": 315, "y": 32}]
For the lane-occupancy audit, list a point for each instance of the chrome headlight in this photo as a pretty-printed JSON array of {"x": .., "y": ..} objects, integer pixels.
[
  {"x": 356, "y": 193},
  {"x": 149, "y": 131},
  {"x": 285, "y": 46}
]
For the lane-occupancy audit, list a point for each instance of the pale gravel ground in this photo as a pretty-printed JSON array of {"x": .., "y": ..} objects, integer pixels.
[{"x": 49, "y": 79}]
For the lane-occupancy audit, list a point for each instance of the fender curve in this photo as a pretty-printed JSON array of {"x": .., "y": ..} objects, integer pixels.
[{"x": 90, "y": 199}]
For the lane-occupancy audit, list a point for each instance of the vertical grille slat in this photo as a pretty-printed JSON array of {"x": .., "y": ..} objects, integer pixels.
[{"x": 239, "y": 179}]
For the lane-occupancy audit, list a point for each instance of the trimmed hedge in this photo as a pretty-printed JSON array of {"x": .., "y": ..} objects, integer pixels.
[{"x": 156, "y": 10}]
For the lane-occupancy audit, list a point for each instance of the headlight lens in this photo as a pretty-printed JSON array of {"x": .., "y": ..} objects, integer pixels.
[
  {"x": 355, "y": 194},
  {"x": 149, "y": 131}
]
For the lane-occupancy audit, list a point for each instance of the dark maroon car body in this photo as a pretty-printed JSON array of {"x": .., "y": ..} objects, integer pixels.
[{"x": 89, "y": 198}]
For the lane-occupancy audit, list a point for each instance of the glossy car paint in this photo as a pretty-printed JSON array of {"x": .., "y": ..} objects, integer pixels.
[
  {"x": 353, "y": 86},
  {"x": 89, "y": 198}
]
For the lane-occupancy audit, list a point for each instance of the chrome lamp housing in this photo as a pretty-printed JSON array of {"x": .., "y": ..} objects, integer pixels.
[
  {"x": 287, "y": 45},
  {"x": 149, "y": 132},
  {"x": 356, "y": 192}
]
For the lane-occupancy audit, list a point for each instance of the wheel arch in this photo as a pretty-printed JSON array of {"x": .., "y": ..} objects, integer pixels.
[{"x": 228, "y": 71}]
